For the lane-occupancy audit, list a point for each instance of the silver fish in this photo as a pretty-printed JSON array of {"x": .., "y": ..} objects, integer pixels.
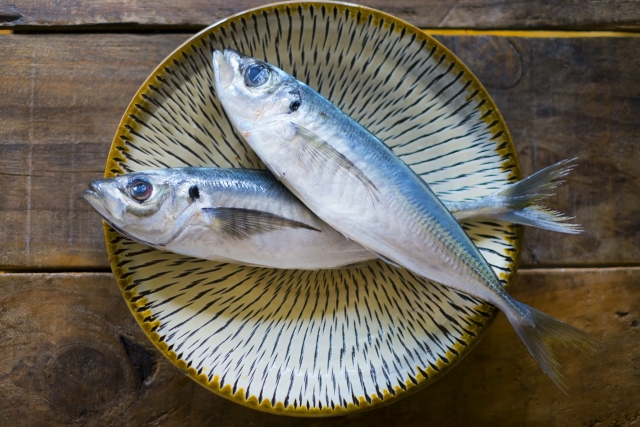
[
  {"x": 228, "y": 215},
  {"x": 355, "y": 183},
  {"x": 248, "y": 217}
]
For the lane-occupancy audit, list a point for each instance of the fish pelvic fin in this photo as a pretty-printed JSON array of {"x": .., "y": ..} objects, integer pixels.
[
  {"x": 538, "y": 330},
  {"x": 238, "y": 223},
  {"x": 317, "y": 155},
  {"x": 388, "y": 261}
]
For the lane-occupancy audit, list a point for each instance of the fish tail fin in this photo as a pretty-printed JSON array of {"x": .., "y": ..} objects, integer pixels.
[
  {"x": 520, "y": 196},
  {"x": 536, "y": 187},
  {"x": 516, "y": 202},
  {"x": 537, "y": 330},
  {"x": 541, "y": 217}
]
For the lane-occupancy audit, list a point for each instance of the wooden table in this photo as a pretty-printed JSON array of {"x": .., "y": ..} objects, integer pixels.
[{"x": 71, "y": 351}]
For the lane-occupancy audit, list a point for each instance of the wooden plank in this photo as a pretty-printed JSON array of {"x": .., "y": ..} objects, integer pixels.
[
  {"x": 72, "y": 353},
  {"x": 536, "y": 14},
  {"x": 62, "y": 96},
  {"x": 61, "y": 99}
]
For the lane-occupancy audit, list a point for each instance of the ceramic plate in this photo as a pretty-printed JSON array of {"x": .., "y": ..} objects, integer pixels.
[{"x": 327, "y": 342}]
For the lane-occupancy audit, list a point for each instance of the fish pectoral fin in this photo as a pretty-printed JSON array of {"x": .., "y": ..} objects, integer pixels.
[
  {"x": 317, "y": 155},
  {"x": 388, "y": 261},
  {"x": 238, "y": 223}
]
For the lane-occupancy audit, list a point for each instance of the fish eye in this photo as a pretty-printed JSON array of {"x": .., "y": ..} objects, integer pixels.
[
  {"x": 140, "y": 189},
  {"x": 256, "y": 75}
]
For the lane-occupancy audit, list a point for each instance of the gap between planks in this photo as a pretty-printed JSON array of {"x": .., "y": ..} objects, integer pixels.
[
  {"x": 431, "y": 31},
  {"x": 540, "y": 34}
]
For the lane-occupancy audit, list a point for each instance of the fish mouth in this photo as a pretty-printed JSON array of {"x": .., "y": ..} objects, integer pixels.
[
  {"x": 96, "y": 198},
  {"x": 222, "y": 68},
  {"x": 92, "y": 195}
]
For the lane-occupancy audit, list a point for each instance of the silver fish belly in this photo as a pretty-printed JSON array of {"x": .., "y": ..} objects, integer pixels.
[{"x": 355, "y": 183}]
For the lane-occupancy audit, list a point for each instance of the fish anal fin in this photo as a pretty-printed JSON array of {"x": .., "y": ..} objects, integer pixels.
[{"x": 239, "y": 223}]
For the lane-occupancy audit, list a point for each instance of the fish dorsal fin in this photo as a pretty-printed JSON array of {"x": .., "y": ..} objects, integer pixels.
[
  {"x": 318, "y": 156},
  {"x": 239, "y": 223}
]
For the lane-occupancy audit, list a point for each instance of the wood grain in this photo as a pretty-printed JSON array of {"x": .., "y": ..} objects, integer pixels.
[
  {"x": 61, "y": 99},
  {"x": 501, "y": 14},
  {"x": 72, "y": 353},
  {"x": 62, "y": 96}
]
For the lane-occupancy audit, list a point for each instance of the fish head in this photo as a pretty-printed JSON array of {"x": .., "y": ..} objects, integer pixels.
[
  {"x": 148, "y": 206},
  {"x": 254, "y": 93}
]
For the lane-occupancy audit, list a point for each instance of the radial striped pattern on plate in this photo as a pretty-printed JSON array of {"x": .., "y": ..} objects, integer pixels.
[{"x": 316, "y": 342}]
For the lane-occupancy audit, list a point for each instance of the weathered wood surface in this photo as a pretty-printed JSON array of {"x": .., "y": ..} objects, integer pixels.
[
  {"x": 62, "y": 96},
  {"x": 61, "y": 99},
  {"x": 72, "y": 354},
  {"x": 535, "y": 14}
]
